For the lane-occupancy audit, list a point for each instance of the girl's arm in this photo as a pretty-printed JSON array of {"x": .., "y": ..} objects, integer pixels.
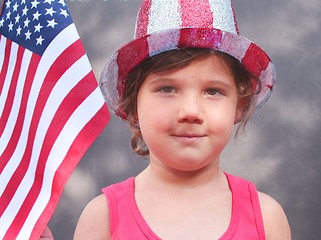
[
  {"x": 275, "y": 221},
  {"x": 94, "y": 221}
]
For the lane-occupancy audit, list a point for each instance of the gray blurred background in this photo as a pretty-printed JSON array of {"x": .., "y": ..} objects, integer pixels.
[{"x": 280, "y": 151}]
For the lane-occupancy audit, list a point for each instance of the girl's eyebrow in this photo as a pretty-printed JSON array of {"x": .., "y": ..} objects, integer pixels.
[
  {"x": 159, "y": 80},
  {"x": 221, "y": 82},
  {"x": 212, "y": 81}
]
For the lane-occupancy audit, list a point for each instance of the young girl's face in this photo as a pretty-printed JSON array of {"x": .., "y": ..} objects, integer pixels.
[{"x": 186, "y": 116}]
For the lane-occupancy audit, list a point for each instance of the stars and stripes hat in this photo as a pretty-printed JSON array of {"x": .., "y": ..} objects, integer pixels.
[{"x": 164, "y": 25}]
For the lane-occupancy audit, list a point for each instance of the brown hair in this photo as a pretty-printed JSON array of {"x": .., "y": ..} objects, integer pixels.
[{"x": 246, "y": 83}]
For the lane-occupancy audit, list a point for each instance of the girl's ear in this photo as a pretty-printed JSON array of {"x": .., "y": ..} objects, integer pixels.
[
  {"x": 136, "y": 121},
  {"x": 240, "y": 109},
  {"x": 238, "y": 115}
]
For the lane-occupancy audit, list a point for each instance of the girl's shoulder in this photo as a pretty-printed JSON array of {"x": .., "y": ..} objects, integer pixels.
[
  {"x": 94, "y": 220},
  {"x": 275, "y": 221}
]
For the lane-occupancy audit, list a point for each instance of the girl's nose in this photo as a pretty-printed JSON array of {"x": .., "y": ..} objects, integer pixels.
[{"x": 190, "y": 110}]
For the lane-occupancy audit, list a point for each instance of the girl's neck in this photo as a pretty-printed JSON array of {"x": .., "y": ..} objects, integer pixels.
[{"x": 181, "y": 180}]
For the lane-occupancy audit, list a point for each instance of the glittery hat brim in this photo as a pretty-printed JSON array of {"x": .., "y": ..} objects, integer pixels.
[{"x": 255, "y": 60}]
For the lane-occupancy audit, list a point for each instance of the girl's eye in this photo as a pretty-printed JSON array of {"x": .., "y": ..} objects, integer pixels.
[
  {"x": 167, "y": 89},
  {"x": 212, "y": 91}
]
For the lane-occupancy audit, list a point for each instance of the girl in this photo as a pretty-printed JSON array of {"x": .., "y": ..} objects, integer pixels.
[{"x": 182, "y": 85}]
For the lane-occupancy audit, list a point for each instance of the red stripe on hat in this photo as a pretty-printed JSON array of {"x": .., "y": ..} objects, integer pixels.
[
  {"x": 199, "y": 37},
  {"x": 143, "y": 19},
  {"x": 261, "y": 60},
  {"x": 256, "y": 61},
  {"x": 128, "y": 58},
  {"x": 199, "y": 14}
]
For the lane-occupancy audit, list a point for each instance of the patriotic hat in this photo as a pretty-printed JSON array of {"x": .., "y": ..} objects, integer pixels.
[{"x": 164, "y": 25}]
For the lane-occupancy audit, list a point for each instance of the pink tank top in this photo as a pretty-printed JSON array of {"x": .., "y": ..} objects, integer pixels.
[{"x": 127, "y": 223}]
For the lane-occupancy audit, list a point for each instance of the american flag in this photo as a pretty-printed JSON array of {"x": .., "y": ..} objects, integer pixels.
[{"x": 51, "y": 111}]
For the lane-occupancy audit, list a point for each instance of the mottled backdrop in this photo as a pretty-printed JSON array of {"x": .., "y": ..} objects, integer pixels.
[{"x": 281, "y": 148}]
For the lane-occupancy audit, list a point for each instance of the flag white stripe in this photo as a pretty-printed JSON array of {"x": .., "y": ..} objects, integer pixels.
[
  {"x": 70, "y": 78},
  {"x": 3, "y": 43},
  {"x": 74, "y": 125},
  {"x": 226, "y": 23},
  {"x": 68, "y": 36},
  {"x": 8, "y": 130},
  {"x": 5, "y": 90}
]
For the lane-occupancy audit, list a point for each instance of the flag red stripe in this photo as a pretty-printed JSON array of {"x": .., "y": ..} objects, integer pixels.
[
  {"x": 74, "y": 98},
  {"x": 4, "y": 68},
  {"x": 11, "y": 146},
  {"x": 93, "y": 128},
  {"x": 53, "y": 75},
  {"x": 12, "y": 90}
]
